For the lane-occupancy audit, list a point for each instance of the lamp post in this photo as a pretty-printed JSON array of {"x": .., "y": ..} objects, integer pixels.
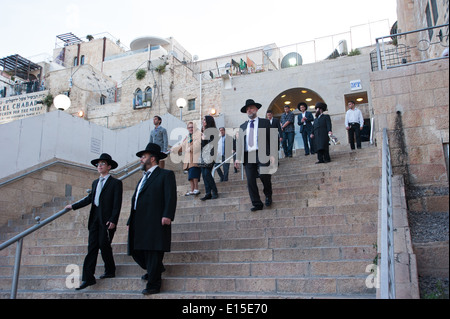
[{"x": 181, "y": 103}]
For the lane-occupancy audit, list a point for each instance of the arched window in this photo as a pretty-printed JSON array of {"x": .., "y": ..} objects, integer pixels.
[
  {"x": 75, "y": 61},
  {"x": 148, "y": 96},
  {"x": 138, "y": 98},
  {"x": 82, "y": 60}
]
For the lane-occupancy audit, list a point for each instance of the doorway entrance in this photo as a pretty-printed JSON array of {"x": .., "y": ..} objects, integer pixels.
[{"x": 293, "y": 97}]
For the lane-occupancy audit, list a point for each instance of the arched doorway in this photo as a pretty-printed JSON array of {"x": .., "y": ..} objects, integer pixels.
[{"x": 293, "y": 97}]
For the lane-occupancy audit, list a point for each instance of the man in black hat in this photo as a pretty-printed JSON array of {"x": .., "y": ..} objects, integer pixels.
[
  {"x": 106, "y": 200},
  {"x": 322, "y": 128},
  {"x": 153, "y": 207},
  {"x": 254, "y": 150}
]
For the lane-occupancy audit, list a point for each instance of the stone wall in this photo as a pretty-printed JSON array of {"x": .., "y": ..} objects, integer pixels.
[{"x": 412, "y": 102}]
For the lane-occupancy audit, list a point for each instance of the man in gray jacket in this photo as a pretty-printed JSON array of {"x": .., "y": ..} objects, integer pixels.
[{"x": 159, "y": 136}]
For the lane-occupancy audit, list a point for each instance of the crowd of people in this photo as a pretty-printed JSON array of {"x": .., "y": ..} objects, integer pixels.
[{"x": 153, "y": 205}]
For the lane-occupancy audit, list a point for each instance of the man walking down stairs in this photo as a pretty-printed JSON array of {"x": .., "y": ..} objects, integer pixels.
[{"x": 317, "y": 240}]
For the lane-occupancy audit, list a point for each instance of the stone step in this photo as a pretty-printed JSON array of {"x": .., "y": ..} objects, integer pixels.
[
  {"x": 315, "y": 241},
  {"x": 320, "y": 278}
]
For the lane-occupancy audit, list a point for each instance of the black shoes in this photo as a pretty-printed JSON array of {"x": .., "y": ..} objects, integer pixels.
[
  {"x": 256, "y": 208},
  {"x": 85, "y": 284},
  {"x": 148, "y": 291},
  {"x": 268, "y": 201},
  {"x": 209, "y": 196},
  {"x": 105, "y": 275}
]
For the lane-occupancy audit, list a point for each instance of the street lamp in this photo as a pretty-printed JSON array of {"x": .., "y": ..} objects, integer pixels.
[
  {"x": 62, "y": 102},
  {"x": 181, "y": 103}
]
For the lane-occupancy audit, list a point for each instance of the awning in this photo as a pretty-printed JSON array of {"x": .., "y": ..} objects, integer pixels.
[{"x": 19, "y": 66}]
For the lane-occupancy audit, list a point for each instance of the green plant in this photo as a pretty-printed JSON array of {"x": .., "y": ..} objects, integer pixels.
[
  {"x": 140, "y": 74},
  {"x": 161, "y": 68},
  {"x": 48, "y": 100},
  {"x": 354, "y": 52},
  {"x": 438, "y": 293}
]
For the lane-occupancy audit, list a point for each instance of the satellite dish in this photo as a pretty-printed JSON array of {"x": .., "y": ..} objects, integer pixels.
[
  {"x": 144, "y": 42},
  {"x": 291, "y": 59},
  {"x": 195, "y": 58}
]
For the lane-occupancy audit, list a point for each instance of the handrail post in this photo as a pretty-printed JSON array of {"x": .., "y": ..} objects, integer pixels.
[{"x": 15, "y": 282}]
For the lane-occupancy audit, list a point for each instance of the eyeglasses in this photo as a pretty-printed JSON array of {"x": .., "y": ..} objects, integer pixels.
[{"x": 101, "y": 164}]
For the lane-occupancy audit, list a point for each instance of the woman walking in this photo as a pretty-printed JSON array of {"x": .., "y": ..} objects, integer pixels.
[
  {"x": 191, "y": 147},
  {"x": 210, "y": 138}
]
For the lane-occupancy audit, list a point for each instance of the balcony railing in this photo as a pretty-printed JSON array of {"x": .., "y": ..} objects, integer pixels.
[{"x": 411, "y": 47}]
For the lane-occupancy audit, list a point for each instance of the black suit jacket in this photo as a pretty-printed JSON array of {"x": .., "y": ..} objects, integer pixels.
[
  {"x": 309, "y": 118},
  {"x": 157, "y": 199},
  {"x": 110, "y": 201},
  {"x": 264, "y": 141}
]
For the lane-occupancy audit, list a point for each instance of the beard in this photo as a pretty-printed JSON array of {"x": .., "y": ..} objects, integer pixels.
[{"x": 318, "y": 113}]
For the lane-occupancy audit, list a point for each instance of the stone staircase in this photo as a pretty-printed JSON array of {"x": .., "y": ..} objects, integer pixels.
[{"x": 316, "y": 240}]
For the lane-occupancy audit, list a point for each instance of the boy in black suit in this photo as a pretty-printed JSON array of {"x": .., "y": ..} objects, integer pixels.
[{"x": 106, "y": 200}]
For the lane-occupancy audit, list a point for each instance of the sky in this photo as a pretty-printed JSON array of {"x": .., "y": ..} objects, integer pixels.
[{"x": 206, "y": 28}]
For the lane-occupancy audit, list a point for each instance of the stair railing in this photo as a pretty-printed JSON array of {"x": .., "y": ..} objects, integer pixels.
[
  {"x": 216, "y": 167},
  {"x": 387, "y": 272},
  {"x": 19, "y": 239}
]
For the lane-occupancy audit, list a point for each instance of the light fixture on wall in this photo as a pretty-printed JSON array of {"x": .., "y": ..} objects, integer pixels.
[
  {"x": 81, "y": 114},
  {"x": 213, "y": 112}
]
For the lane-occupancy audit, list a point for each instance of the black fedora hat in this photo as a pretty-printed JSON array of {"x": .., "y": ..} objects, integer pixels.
[
  {"x": 321, "y": 105},
  {"x": 250, "y": 102},
  {"x": 107, "y": 158},
  {"x": 153, "y": 149}
]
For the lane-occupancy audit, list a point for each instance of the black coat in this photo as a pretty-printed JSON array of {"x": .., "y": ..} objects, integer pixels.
[
  {"x": 158, "y": 199},
  {"x": 321, "y": 127},
  {"x": 264, "y": 141},
  {"x": 110, "y": 201}
]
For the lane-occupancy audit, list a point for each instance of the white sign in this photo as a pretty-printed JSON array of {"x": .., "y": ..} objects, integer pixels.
[
  {"x": 20, "y": 106},
  {"x": 355, "y": 85}
]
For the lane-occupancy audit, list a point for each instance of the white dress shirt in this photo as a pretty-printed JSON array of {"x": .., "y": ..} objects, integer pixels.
[
  {"x": 143, "y": 180},
  {"x": 255, "y": 136},
  {"x": 354, "y": 116}
]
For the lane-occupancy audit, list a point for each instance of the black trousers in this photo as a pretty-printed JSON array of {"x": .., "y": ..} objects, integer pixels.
[
  {"x": 100, "y": 238},
  {"x": 354, "y": 131},
  {"x": 152, "y": 261},
  {"x": 252, "y": 171}
]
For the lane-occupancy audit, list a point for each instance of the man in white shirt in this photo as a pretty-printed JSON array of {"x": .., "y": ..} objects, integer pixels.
[
  {"x": 224, "y": 150},
  {"x": 354, "y": 122}
]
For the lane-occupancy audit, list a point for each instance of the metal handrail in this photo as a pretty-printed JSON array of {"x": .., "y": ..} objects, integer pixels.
[
  {"x": 19, "y": 239},
  {"x": 222, "y": 163},
  {"x": 387, "y": 269},
  {"x": 381, "y": 59}
]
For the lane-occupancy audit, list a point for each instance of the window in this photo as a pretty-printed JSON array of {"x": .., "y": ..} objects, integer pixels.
[
  {"x": 75, "y": 61},
  {"x": 191, "y": 105},
  {"x": 148, "y": 96},
  {"x": 102, "y": 100},
  {"x": 82, "y": 60},
  {"x": 435, "y": 11},
  {"x": 432, "y": 15},
  {"x": 138, "y": 98}
]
